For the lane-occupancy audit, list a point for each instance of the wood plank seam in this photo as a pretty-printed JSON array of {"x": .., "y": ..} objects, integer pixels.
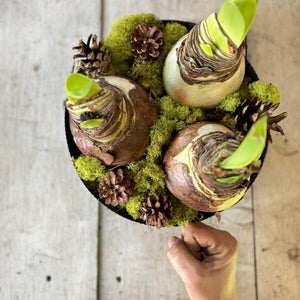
[{"x": 254, "y": 244}]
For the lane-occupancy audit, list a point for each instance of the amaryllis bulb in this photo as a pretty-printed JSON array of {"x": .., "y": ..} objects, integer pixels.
[
  {"x": 193, "y": 167},
  {"x": 208, "y": 63},
  {"x": 113, "y": 125}
]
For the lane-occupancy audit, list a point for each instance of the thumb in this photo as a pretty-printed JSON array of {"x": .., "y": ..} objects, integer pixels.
[{"x": 183, "y": 261}]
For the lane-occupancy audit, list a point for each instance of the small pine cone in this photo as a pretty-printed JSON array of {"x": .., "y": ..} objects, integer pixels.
[
  {"x": 147, "y": 43},
  {"x": 116, "y": 188},
  {"x": 94, "y": 58},
  {"x": 249, "y": 111},
  {"x": 156, "y": 211}
]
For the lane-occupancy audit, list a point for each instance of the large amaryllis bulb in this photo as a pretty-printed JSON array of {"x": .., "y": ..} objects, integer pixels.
[
  {"x": 113, "y": 125},
  {"x": 193, "y": 167},
  {"x": 208, "y": 63}
]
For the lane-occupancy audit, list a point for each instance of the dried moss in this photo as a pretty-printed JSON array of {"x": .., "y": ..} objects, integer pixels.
[
  {"x": 228, "y": 121},
  {"x": 148, "y": 74},
  {"x": 172, "y": 33},
  {"x": 264, "y": 92},
  {"x": 89, "y": 168},
  {"x": 182, "y": 215},
  {"x": 230, "y": 102},
  {"x": 133, "y": 206},
  {"x": 118, "y": 39},
  {"x": 172, "y": 110}
]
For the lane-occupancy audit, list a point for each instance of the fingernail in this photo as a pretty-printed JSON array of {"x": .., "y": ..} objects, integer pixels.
[{"x": 172, "y": 240}]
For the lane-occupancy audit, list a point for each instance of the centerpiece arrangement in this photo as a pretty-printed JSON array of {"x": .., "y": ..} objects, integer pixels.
[{"x": 167, "y": 122}]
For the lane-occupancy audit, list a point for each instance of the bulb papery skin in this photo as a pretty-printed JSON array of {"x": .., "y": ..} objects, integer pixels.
[
  {"x": 189, "y": 164},
  {"x": 125, "y": 112},
  {"x": 194, "y": 79}
]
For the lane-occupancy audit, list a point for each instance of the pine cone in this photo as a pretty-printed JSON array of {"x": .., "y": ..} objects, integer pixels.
[
  {"x": 251, "y": 110},
  {"x": 95, "y": 58},
  {"x": 116, "y": 188},
  {"x": 147, "y": 43},
  {"x": 156, "y": 211}
]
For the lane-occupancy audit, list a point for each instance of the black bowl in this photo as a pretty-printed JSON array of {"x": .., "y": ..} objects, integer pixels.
[{"x": 75, "y": 152}]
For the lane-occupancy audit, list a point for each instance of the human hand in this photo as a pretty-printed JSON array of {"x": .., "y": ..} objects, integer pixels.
[{"x": 205, "y": 258}]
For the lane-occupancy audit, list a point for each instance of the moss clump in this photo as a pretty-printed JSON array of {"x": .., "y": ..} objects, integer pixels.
[
  {"x": 133, "y": 206},
  {"x": 118, "y": 40},
  {"x": 172, "y": 110},
  {"x": 172, "y": 33},
  {"x": 148, "y": 177},
  {"x": 182, "y": 215},
  {"x": 264, "y": 92},
  {"x": 148, "y": 74},
  {"x": 230, "y": 102},
  {"x": 244, "y": 89},
  {"x": 228, "y": 121},
  {"x": 89, "y": 168},
  {"x": 160, "y": 135}
]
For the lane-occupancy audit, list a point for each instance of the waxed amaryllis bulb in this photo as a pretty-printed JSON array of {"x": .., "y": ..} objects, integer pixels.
[{"x": 113, "y": 125}]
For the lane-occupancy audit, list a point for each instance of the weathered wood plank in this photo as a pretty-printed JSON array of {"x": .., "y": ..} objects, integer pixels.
[
  {"x": 48, "y": 222},
  {"x": 272, "y": 49},
  {"x": 133, "y": 257}
]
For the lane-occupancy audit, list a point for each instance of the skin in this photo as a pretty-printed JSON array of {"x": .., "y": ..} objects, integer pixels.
[{"x": 205, "y": 259}]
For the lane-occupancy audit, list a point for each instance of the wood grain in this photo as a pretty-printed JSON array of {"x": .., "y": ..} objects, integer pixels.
[
  {"x": 272, "y": 49},
  {"x": 49, "y": 223}
]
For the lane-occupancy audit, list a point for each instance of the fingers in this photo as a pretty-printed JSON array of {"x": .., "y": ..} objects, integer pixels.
[
  {"x": 217, "y": 243},
  {"x": 185, "y": 264}
]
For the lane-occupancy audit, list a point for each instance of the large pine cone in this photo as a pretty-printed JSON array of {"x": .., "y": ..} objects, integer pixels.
[
  {"x": 156, "y": 211},
  {"x": 116, "y": 188},
  {"x": 249, "y": 111},
  {"x": 147, "y": 43},
  {"x": 95, "y": 58}
]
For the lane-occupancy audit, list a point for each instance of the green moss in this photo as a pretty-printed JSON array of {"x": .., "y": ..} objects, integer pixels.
[
  {"x": 228, "y": 121},
  {"x": 196, "y": 115},
  {"x": 230, "y": 102},
  {"x": 89, "y": 168},
  {"x": 244, "y": 90},
  {"x": 118, "y": 40},
  {"x": 148, "y": 74},
  {"x": 264, "y": 92},
  {"x": 133, "y": 206},
  {"x": 182, "y": 215},
  {"x": 148, "y": 177},
  {"x": 172, "y": 110},
  {"x": 171, "y": 34}
]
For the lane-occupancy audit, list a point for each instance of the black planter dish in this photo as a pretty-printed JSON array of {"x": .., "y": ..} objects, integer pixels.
[{"x": 75, "y": 152}]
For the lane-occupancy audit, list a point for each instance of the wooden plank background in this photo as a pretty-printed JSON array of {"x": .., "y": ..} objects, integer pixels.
[{"x": 50, "y": 243}]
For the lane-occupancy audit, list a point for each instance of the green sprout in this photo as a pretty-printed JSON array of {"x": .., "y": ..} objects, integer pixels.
[
  {"x": 80, "y": 87},
  {"x": 251, "y": 147},
  {"x": 231, "y": 179},
  {"x": 92, "y": 123},
  {"x": 233, "y": 21},
  {"x": 236, "y": 17}
]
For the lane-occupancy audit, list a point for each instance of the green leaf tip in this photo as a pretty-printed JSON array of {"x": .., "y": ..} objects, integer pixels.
[
  {"x": 80, "y": 87},
  {"x": 92, "y": 123},
  {"x": 236, "y": 17},
  {"x": 251, "y": 147},
  {"x": 231, "y": 179}
]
